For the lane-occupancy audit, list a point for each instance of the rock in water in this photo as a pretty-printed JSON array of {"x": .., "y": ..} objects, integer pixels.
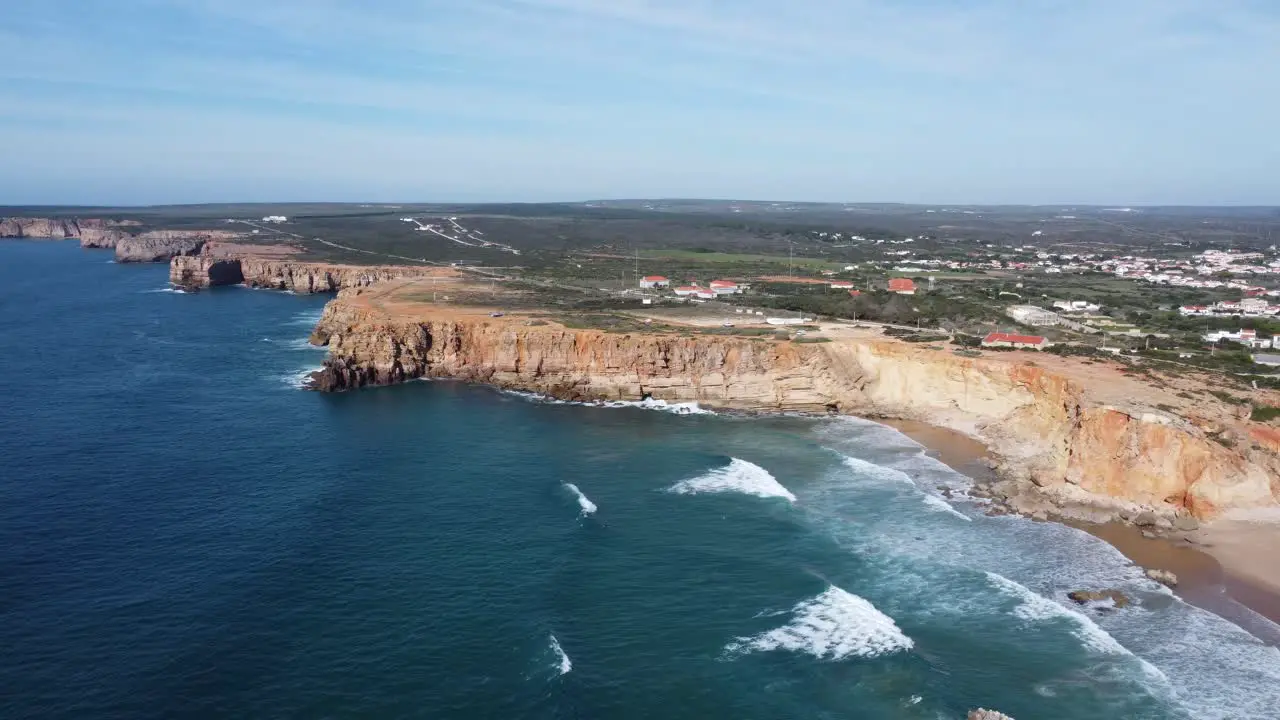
[
  {"x": 1186, "y": 523},
  {"x": 1164, "y": 577},
  {"x": 1084, "y": 597}
]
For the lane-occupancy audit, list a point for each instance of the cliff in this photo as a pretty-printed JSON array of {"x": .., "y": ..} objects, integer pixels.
[
  {"x": 152, "y": 246},
  {"x": 162, "y": 245},
  {"x": 211, "y": 270},
  {"x": 1044, "y": 427},
  {"x": 90, "y": 232}
]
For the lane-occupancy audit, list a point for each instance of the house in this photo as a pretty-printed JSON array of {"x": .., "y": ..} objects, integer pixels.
[
  {"x": 902, "y": 286},
  {"x": 855, "y": 293},
  {"x": 687, "y": 290},
  {"x": 724, "y": 287},
  {"x": 1272, "y": 360},
  {"x": 275, "y": 219},
  {"x": 841, "y": 285},
  {"x": 1032, "y": 315},
  {"x": 999, "y": 339},
  {"x": 654, "y": 281},
  {"x": 706, "y": 294}
]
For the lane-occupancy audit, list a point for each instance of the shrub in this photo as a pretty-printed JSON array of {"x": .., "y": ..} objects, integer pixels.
[{"x": 1264, "y": 413}]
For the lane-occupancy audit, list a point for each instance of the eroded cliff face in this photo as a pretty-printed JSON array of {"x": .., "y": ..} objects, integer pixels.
[
  {"x": 1040, "y": 425},
  {"x": 91, "y": 232},
  {"x": 204, "y": 270},
  {"x": 152, "y": 246},
  {"x": 162, "y": 245}
]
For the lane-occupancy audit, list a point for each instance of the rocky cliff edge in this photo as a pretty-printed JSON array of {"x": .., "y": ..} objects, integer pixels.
[{"x": 1045, "y": 428}]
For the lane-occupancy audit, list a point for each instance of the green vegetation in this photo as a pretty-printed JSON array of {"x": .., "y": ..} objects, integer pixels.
[{"x": 1263, "y": 413}]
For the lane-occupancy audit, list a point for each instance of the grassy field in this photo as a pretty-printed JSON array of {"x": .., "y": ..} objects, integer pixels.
[{"x": 720, "y": 258}]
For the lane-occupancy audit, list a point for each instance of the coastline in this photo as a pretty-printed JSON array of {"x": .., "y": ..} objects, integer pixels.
[{"x": 1228, "y": 572}]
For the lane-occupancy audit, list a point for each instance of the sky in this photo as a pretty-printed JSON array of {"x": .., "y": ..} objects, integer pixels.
[{"x": 924, "y": 101}]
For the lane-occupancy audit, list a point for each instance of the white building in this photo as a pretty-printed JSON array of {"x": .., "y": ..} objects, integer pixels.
[
  {"x": 275, "y": 219},
  {"x": 1076, "y": 306},
  {"x": 654, "y": 281},
  {"x": 1032, "y": 315}
]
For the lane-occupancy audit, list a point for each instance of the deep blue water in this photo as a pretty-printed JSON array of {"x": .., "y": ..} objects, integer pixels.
[{"x": 184, "y": 533}]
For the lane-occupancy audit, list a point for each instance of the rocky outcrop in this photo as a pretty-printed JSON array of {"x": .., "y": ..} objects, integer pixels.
[
  {"x": 1083, "y": 597},
  {"x": 91, "y": 232},
  {"x": 1042, "y": 427},
  {"x": 162, "y": 245},
  {"x": 205, "y": 270},
  {"x": 153, "y": 246}
]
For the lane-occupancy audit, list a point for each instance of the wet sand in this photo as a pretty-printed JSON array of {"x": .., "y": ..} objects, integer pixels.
[{"x": 1241, "y": 584}]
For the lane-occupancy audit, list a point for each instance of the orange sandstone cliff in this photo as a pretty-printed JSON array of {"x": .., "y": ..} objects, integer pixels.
[{"x": 1048, "y": 430}]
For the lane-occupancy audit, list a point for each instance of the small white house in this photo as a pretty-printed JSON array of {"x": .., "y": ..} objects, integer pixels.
[
  {"x": 275, "y": 219},
  {"x": 654, "y": 281}
]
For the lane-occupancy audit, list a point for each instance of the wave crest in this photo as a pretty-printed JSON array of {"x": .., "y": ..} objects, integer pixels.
[
  {"x": 738, "y": 476},
  {"x": 831, "y": 626},
  {"x": 588, "y": 507},
  {"x": 563, "y": 663}
]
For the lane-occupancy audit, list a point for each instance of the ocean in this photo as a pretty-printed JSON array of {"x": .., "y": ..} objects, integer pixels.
[{"x": 184, "y": 532}]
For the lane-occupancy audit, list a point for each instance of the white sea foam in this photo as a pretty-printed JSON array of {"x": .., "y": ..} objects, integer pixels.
[
  {"x": 738, "y": 476},
  {"x": 831, "y": 626},
  {"x": 308, "y": 318},
  {"x": 588, "y": 507},
  {"x": 294, "y": 343},
  {"x": 298, "y": 380},
  {"x": 690, "y": 408},
  {"x": 646, "y": 404},
  {"x": 1033, "y": 607},
  {"x": 563, "y": 664},
  {"x": 174, "y": 290},
  {"x": 877, "y": 472},
  {"x": 937, "y": 504}
]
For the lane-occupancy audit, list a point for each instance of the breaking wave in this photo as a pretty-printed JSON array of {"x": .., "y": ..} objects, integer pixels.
[
  {"x": 738, "y": 476},
  {"x": 646, "y": 404},
  {"x": 1033, "y": 607},
  {"x": 298, "y": 380},
  {"x": 831, "y": 626},
  {"x": 174, "y": 290},
  {"x": 563, "y": 663},
  {"x": 878, "y": 472},
  {"x": 937, "y": 504},
  {"x": 294, "y": 344},
  {"x": 588, "y": 507},
  {"x": 308, "y": 318}
]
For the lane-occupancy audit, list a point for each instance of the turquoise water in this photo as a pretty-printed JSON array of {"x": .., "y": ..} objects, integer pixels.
[{"x": 185, "y": 533}]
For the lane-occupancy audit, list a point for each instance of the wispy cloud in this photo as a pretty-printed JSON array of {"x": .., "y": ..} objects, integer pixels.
[{"x": 1119, "y": 100}]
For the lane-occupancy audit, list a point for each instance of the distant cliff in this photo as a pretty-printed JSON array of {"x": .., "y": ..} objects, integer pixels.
[
  {"x": 151, "y": 246},
  {"x": 161, "y": 245},
  {"x": 206, "y": 270},
  {"x": 90, "y": 232},
  {"x": 1044, "y": 428}
]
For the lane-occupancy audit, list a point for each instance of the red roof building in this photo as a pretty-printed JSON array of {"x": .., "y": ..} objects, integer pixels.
[
  {"x": 855, "y": 293},
  {"x": 903, "y": 286},
  {"x": 999, "y": 339},
  {"x": 652, "y": 281}
]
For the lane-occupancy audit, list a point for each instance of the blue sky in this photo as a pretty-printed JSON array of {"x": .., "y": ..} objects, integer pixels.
[{"x": 935, "y": 101}]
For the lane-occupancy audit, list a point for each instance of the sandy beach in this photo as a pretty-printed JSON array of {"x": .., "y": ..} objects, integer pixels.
[{"x": 1233, "y": 569}]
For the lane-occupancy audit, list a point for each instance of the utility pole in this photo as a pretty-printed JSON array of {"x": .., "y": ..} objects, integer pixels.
[{"x": 791, "y": 253}]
